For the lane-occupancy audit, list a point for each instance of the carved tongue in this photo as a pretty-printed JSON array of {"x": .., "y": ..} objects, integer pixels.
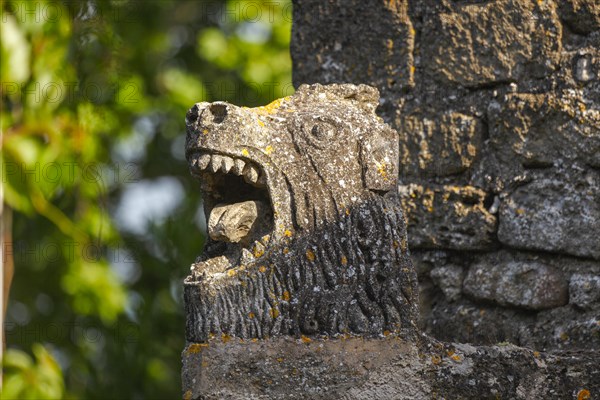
[{"x": 233, "y": 222}]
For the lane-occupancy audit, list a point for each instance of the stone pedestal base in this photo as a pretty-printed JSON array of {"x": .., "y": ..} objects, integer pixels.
[{"x": 386, "y": 368}]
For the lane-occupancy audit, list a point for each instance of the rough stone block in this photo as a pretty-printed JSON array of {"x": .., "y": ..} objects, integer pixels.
[
  {"x": 540, "y": 131},
  {"x": 582, "y": 16},
  {"x": 554, "y": 215},
  {"x": 353, "y": 41},
  {"x": 449, "y": 217},
  {"x": 499, "y": 41},
  {"x": 530, "y": 285},
  {"x": 385, "y": 368},
  {"x": 449, "y": 278},
  {"x": 438, "y": 146},
  {"x": 584, "y": 290}
]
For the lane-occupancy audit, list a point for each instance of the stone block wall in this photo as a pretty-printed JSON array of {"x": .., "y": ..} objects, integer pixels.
[{"x": 498, "y": 107}]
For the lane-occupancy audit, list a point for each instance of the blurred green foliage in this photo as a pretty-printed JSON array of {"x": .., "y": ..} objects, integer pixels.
[{"x": 105, "y": 221}]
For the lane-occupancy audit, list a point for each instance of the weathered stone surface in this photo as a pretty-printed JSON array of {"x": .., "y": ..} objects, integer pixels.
[
  {"x": 582, "y": 16},
  {"x": 541, "y": 131},
  {"x": 449, "y": 278},
  {"x": 333, "y": 44},
  {"x": 531, "y": 89},
  {"x": 385, "y": 368},
  {"x": 554, "y": 215},
  {"x": 584, "y": 290},
  {"x": 332, "y": 255},
  {"x": 447, "y": 217},
  {"x": 529, "y": 285},
  {"x": 438, "y": 146},
  {"x": 466, "y": 319},
  {"x": 499, "y": 41}
]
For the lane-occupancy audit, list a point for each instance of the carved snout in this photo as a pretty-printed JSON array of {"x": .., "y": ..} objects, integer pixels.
[{"x": 207, "y": 113}]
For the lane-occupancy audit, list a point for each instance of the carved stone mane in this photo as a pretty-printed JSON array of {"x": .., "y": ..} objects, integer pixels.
[{"x": 306, "y": 235}]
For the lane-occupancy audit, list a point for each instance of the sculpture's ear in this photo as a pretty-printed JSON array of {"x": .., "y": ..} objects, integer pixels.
[
  {"x": 367, "y": 96},
  {"x": 379, "y": 160}
]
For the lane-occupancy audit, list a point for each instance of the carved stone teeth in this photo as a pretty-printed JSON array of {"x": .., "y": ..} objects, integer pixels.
[
  {"x": 251, "y": 173},
  {"x": 247, "y": 256},
  {"x": 203, "y": 161},
  {"x": 215, "y": 163},
  {"x": 238, "y": 166},
  {"x": 258, "y": 249},
  {"x": 265, "y": 240},
  {"x": 226, "y": 164},
  {"x": 262, "y": 181}
]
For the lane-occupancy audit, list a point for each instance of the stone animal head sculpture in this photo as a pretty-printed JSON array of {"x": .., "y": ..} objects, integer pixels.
[{"x": 306, "y": 235}]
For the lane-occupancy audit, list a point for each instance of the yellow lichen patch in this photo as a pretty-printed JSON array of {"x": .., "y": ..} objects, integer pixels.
[
  {"x": 285, "y": 250},
  {"x": 251, "y": 315},
  {"x": 435, "y": 359},
  {"x": 456, "y": 357},
  {"x": 271, "y": 107},
  {"x": 286, "y": 296},
  {"x": 262, "y": 269},
  {"x": 245, "y": 152},
  {"x": 187, "y": 395},
  {"x": 269, "y": 149},
  {"x": 258, "y": 252},
  {"x": 196, "y": 348},
  {"x": 310, "y": 256},
  {"x": 382, "y": 169},
  {"x": 396, "y": 244},
  {"x": 386, "y": 333},
  {"x": 280, "y": 359},
  {"x": 260, "y": 122},
  {"x": 584, "y": 394},
  {"x": 231, "y": 272},
  {"x": 305, "y": 339},
  {"x": 412, "y": 69},
  {"x": 344, "y": 260},
  {"x": 536, "y": 354},
  {"x": 254, "y": 340},
  {"x": 225, "y": 338},
  {"x": 205, "y": 132},
  {"x": 412, "y": 31},
  {"x": 287, "y": 233},
  {"x": 520, "y": 211},
  {"x": 347, "y": 211},
  {"x": 564, "y": 337},
  {"x": 274, "y": 312}
]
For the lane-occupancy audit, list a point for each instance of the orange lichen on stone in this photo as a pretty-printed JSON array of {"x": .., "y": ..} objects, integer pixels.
[
  {"x": 305, "y": 339},
  {"x": 435, "y": 359},
  {"x": 262, "y": 269},
  {"x": 225, "y": 338},
  {"x": 251, "y": 315},
  {"x": 187, "y": 395},
  {"x": 271, "y": 107},
  {"x": 285, "y": 296},
  {"x": 274, "y": 312},
  {"x": 344, "y": 260},
  {"x": 584, "y": 394},
  {"x": 310, "y": 256},
  {"x": 196, "y": 348}
]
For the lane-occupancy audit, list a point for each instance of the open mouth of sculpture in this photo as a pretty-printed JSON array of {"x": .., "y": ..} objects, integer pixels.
[{"x": 238, "y": 210}]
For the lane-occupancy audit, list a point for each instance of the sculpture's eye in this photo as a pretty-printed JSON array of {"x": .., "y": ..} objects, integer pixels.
[{"x": 322, "y": 131}]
